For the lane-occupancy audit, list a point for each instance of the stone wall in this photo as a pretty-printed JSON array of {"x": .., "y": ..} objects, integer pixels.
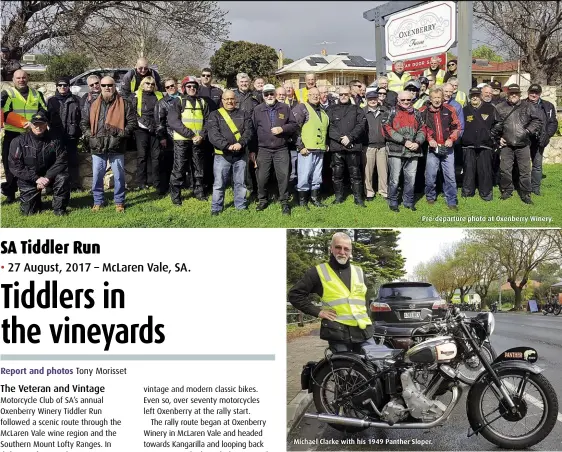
[
  {"x": 86, "y": 173},
  {"x": 553, "y": 152},
  {"x": 47, "y": 88}
]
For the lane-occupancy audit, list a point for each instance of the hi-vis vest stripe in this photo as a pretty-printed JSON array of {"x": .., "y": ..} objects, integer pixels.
[
  {"x": 231, "y": 126},
  {"x": 397, "y": 84},
  {"x": 350, "y": 305},
  {"x": 314, "y": 131},
  {"x": 20, "y": 106},
  {"x": 192, "y": 118},
  {"x": 158, "y": 94},
  {"x": 439, "y": 78}
]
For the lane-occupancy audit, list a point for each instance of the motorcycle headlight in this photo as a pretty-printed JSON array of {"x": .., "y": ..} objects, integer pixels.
[{"x": 491, "y": 324}]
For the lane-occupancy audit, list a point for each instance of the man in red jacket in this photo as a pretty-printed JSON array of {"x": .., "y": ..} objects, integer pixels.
[{"x": 442, "y": 128}]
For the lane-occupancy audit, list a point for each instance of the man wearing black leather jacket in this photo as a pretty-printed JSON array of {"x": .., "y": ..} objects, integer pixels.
[
  {"x": 347, "y": 126},
  {"x": 39, "y": 161},
  {"x": 343, "y": 331},
  {"x": 547, "y": 113},
  {"x": 63, "y": 110},
  {"x": 518, "y": 121}
]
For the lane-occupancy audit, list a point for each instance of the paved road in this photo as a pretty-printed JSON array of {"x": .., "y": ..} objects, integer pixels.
[{"x": 512, "y": 330}]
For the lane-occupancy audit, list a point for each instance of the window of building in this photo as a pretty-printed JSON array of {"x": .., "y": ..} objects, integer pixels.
[
  {"x": 302, "y": 83},
  {"x": 340, "y": 80}
]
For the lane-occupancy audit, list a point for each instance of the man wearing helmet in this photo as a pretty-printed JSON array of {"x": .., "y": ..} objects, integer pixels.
[
  {"x": 423, "y": 96},
  {"x": 187, "y": 119}
]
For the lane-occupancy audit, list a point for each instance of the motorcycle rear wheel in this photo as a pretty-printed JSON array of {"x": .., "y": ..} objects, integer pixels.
[
  {"x": 330, "y": 381},
  {"x": 557, "y": 310},
  {"x": 543, "y": 393}
]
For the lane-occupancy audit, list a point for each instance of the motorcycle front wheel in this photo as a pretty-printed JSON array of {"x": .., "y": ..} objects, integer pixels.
[
  {"x": 550, "y": 309},
  {"x": 331, "y": 382},
  {"x": 557, "y": 310},
  {"x": 537, "y": 408}
]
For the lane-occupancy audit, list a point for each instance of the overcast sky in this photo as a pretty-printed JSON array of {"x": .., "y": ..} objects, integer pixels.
[
  {"x": 422, "y": 244},
  {"x": 299, "y": 27}
]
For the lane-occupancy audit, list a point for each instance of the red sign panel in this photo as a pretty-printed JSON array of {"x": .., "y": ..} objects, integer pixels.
[{"x": 418, "y": 64}]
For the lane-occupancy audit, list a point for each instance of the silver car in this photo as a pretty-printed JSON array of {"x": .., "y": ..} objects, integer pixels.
[{"x": 79, "y": 85}]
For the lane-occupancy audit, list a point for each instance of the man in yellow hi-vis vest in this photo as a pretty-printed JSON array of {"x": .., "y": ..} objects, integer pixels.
[
  {"x": 302, "y": 94},
  {"x": 311, "y": 144},
  {"x": 187, "y": 119},
  {"x": 18, "y": 104},
  {"x": 346, "y": 324},
  {"x": 398, "y": 78},
  {"x": 229, "y": 130},
  {"x": 435, "y": 70}
]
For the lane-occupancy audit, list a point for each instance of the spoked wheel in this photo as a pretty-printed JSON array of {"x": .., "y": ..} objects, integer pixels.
[
  {"x": 549, "y": 308},
  {"x": 536, "y": 403},
  {"x": 557, "y": 309},
  {"x": 332, "y": 392}
]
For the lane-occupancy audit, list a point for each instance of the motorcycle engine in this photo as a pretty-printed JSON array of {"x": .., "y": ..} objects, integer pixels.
[{"x": 420, "y": 407}]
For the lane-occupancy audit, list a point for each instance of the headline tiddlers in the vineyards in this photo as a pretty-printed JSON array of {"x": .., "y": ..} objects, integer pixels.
[{"x": 49, "y": 297}]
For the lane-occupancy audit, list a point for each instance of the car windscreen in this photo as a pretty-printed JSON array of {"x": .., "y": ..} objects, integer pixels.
[{"x": 408, "y": 292}]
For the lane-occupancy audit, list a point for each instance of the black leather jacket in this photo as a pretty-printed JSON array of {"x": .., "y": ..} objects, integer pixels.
[
  {"x": 161, "y": 114},
  {"x": 346, "y": 120},
  {"x": 64, "y": 116},
  {"x": 517, "y": 128},
  {"x": 547, "y": 113}
]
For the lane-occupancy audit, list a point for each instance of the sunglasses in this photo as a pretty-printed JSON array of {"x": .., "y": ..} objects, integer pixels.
[
  {"x": 169, "y": 86},
  {"x": 94, "y": 84},
  {"x": 64, "y": 85},
  {"x": 269, "y": 94},
  {"x": 405, "y": 100},
  {"x": 107, "y": 85},
  {"x": 205, "y": 75},
  {"x": 344, "y": 94},
  {"x": 452, "y": 64},
  {"x": 191, "y": 86},
  {"x": 150, "y": 84}
]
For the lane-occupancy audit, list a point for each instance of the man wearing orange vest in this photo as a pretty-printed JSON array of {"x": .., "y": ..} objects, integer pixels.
[
  {"x": 18, "y": 104},
  {"x": 346, "y": 324}
]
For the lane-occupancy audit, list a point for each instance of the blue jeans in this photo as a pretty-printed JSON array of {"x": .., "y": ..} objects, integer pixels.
[
  {"x": 293, "y": 174},
  {"x": 449, "y": 184},
  {"x": 310, "y": 171},
  {"x": 99, "y": 166},
  {"x": 221, "y": 172},
  {"x": 396, "y": 165}
]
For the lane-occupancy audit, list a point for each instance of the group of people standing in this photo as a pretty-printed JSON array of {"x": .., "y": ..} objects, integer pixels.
[{"x": 201, "y": 136}]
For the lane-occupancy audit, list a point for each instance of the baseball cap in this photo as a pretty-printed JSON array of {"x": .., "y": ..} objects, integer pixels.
[
  {"x": 268, "y": 88},
  {"x": 496, "y": 85},
  {"x": 372, "y": 95},
  {"x": 535, "y": 87},
  {"x": 513, "y": 89},
  {"x": 39, "y": 118},
  {"x": 481, "y": 85},
  {"x": 5, "y": 49},
  {"x": 475, "y": 92}
]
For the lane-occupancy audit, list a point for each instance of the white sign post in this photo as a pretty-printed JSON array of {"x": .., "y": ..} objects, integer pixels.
[{"x": 426, "y": 30}]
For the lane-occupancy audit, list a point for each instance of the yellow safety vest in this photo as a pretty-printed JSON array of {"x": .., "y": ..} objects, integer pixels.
[
  {"x": 314, "y": 131},
  {"x": 362, "y": 104},
  {"x": 439, "y": 78},
  {"x": 158, "y": 94},
  {"x": 231, "y": 126},
  {"x": 460, "y": 97},
  {"x": 420, "y": 102},
  {"x": 26, "y": 108},
  {"x": 397, "y": 84},
  {"x": 192, "y": 118},
  {"x": 350, "y": 305},
  {"x": 302, "y": 95}
]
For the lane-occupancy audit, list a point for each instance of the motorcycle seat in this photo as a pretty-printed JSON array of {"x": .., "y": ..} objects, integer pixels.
[
  {"x": 378, "y": 352},
  {"x": 381, "y": 330}
]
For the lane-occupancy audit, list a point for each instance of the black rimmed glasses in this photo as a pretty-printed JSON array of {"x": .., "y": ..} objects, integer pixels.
[
  {"x": 169, "y": 86},
  {"x": 91, "y": 85},
  {"x": 107, "y": 85},
  {"x": 269, "y": 94}
]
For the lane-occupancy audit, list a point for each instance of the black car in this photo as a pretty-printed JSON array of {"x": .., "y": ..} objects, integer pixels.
[{"x": 399, "y": 305}]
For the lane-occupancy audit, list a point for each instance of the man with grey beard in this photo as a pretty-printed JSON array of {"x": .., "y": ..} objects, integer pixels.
[
  {"x": 106, "y": 125},
  {"x": 346, "y": 326}
]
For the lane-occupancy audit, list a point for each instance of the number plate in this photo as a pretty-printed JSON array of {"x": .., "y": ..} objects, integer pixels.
[{"x": 411, "y": 315}]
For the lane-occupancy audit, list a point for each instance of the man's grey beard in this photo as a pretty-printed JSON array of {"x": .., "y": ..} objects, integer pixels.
[
  {"x": 270, "y": 102},
  {"x": 108, "y": 97},
  {"x": 342, "y": 260}
]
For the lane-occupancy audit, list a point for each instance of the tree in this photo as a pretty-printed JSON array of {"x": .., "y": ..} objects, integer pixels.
[
  {"x": 519, "y": 251},
  {"x": 487, "y": 269},
  {"x": 108, "y": 26},
  {"x": 67, "y": 64},
  {"x": 287, "y": 61},
  {"x": 532, "y": 28},
  {"x": 256, "y": 60},
  {"x": 486, "y": 53}
]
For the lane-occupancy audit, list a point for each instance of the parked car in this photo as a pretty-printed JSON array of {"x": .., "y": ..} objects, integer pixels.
[
  {"x": 79, "y": 85},
  {"x": 399, "y": 305}
]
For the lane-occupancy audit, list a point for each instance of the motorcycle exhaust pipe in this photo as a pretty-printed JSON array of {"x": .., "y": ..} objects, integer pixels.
[{"x": 353, "y": 422}]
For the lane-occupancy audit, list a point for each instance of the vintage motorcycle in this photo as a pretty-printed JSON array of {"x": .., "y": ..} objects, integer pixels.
[
  {"x": 511, "y": 403},
  {"x": 467, "y": 361},
  {"x": 552, "y": 307},
  {"x": 494, "y": 307}
]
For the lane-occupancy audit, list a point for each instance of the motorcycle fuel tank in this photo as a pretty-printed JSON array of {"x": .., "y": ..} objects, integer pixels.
[{"x": 438, "y": 349}]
